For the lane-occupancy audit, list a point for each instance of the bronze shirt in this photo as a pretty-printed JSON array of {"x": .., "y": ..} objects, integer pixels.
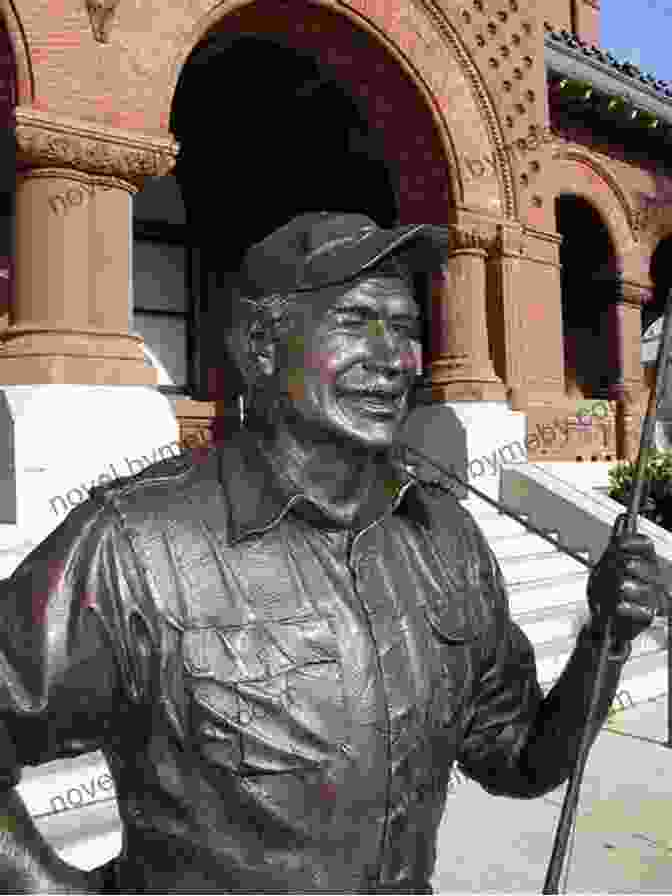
[{"x": 280, "y": 700}]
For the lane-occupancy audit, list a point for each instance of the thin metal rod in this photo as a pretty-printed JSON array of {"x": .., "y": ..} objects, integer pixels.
[
  {"x": 570, "y": 803},
  {"x": 626, "y": 522},
  {"x": 648, "y": 428},
  {"x": 662, "y": 373},
  {"x": 502, "y": 508}
]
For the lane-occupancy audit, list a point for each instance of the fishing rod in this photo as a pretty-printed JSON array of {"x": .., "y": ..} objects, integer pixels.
[{"x": 625, "y": 523}]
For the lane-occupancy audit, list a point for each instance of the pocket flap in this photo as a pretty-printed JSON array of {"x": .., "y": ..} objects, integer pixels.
[{"x": 449, "y": 629}]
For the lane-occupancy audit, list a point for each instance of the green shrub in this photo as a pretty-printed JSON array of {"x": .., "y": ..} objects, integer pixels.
[{"x": 658, "y": 484}]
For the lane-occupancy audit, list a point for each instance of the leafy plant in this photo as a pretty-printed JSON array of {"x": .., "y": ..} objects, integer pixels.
[{"x": 657, "y": 482}]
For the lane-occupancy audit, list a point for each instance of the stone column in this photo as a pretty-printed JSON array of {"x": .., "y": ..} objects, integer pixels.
[
  {"x": 466, "y": 422},
  {"x": 461, "y": 367},
  {"x": 632, "y": 404},
  {"x": 78, "y": 402},
  {"x": 70, "y": 315},
  {"x": 615, "y": 321}
]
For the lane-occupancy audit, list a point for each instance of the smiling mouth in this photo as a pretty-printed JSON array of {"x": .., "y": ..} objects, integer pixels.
[{"x": 376, "y": 404}]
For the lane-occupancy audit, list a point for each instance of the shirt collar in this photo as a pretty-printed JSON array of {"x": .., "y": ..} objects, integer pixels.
[{"x": 259, "y": 497}]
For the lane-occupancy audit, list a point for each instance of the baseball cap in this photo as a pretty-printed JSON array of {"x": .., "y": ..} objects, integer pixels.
[{"x": 320, "y": 249}]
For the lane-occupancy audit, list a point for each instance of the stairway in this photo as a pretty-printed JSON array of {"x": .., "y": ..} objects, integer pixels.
[{"x": 547, "y": 595}]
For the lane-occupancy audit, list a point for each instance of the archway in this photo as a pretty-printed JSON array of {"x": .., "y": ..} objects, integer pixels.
[
  {"x": 589, "y": 286},
  {"x": 313, "y": 114}
]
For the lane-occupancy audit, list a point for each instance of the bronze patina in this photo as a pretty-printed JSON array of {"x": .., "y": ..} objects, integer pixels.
[{"x": 283, "y": 645}]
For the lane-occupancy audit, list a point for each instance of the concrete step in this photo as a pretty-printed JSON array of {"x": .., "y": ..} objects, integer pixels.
[
  {"x": 516, "y": 545},
  {"x": 552, "y": 657},
  {"x": 644, "y": 677},
  {"x": 479, "y": 508},
  {"x": 499, "y": 525},
  {"x": 553, "y": 624},
  {"x": 528, "y": 568},
  {"x": 538, "y": 594}
]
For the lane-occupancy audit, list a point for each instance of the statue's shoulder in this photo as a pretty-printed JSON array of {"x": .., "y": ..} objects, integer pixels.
[{"x": 170, "y": 494}]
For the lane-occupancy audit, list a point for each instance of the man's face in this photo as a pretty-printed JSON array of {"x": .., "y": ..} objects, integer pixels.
[{"x": 350, "y": 360}]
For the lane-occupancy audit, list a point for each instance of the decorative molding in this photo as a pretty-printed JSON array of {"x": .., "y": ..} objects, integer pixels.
[
  {"x": 105, "y": 182},
  {"x": 634, "y": 294},
  {"x": 506, "y": 243},
  {"x": 460, "y": 240},
  {"x": 101, "y": 14},
  {"x": 51, "y": 141},
  {"x": 591, "y": 160},
  {"x": 448, "y": 32}
]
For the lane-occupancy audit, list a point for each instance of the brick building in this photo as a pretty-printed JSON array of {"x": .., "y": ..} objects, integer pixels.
[{"x": 153, "y": 142}]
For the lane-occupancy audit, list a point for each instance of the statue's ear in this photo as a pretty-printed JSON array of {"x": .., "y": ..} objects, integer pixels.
[{"x": 261, "y": 349}]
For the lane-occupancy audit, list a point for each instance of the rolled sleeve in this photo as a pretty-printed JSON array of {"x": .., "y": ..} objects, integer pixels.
[{"x": 68, "y": 662}]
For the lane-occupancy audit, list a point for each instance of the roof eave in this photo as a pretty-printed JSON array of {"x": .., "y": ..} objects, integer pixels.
[{"x": 574, "y": 64}]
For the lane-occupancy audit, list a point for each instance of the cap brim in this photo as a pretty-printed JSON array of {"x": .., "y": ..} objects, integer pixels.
[
  {"x": 423, "y": 246},
  {"x": 428, "y": 237}
]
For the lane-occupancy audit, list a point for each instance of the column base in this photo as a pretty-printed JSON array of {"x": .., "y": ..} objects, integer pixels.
[
  {"x": 463, "y": 379},
  {"x": 468, "y": 390},
  {"x": 473, "y": 438},
  {"x": 60, "y": 440},
  {"x": 38, "y": 354}
]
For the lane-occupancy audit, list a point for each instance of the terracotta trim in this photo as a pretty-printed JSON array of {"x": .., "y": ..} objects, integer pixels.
[
  {"x": 105, "y": 181},
  {"x": 47, "y": 140}
]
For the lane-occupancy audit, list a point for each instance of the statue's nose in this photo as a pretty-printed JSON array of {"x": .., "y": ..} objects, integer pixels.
[{"x": 385, "y": 347}]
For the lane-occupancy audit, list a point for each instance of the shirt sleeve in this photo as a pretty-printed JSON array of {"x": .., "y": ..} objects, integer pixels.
[
  {"x": 69, "y": 661},
  {"x": 517, "y": 742}
]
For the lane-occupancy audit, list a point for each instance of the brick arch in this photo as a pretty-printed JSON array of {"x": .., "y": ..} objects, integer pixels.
[
  {"x": 14, "y": 36},
  {"x": 607, "y": 363},
  {"x": 581, "y": 174},
  {"x": 431, "y": 112}
]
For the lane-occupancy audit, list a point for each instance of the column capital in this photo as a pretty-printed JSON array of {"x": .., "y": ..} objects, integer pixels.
[
  {"x": 56, "y": 141},
  {"x": 462, "y": 240},
  {"x": 633, "y": 293}
]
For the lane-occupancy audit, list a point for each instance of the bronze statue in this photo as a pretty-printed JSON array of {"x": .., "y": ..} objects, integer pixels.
[{"x": 282, "y": 646}]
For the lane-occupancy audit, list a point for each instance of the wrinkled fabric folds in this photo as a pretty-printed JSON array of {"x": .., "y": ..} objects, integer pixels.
[{"x": 280, "y": 700}]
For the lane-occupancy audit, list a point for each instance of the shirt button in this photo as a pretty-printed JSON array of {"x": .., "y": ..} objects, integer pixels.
[{"x": 346, "y": 750}]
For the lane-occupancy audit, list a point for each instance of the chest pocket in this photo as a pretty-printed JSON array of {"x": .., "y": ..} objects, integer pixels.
[
  {"x": 458, "y": 647},
  {"x": 266, "y": 696}
]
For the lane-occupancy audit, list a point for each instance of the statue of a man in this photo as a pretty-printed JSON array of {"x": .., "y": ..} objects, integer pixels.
[{"x": 283, "y": 646}]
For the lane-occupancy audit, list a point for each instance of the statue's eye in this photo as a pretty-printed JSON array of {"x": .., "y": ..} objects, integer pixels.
[
  {"x": 352, "y": 318},
  {"x": 407, "y": 325}
]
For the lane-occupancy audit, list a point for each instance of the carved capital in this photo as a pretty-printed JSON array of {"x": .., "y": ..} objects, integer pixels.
[
  {"x": 50, "y": 141},
  {"x": 461, "y": 240},
  {"x": 634, "y": 293}
]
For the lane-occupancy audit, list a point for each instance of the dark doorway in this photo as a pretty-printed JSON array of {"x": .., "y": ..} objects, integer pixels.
[
  {"x": 288, "y": 139},
  {"x": 590, "y": 283}
]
